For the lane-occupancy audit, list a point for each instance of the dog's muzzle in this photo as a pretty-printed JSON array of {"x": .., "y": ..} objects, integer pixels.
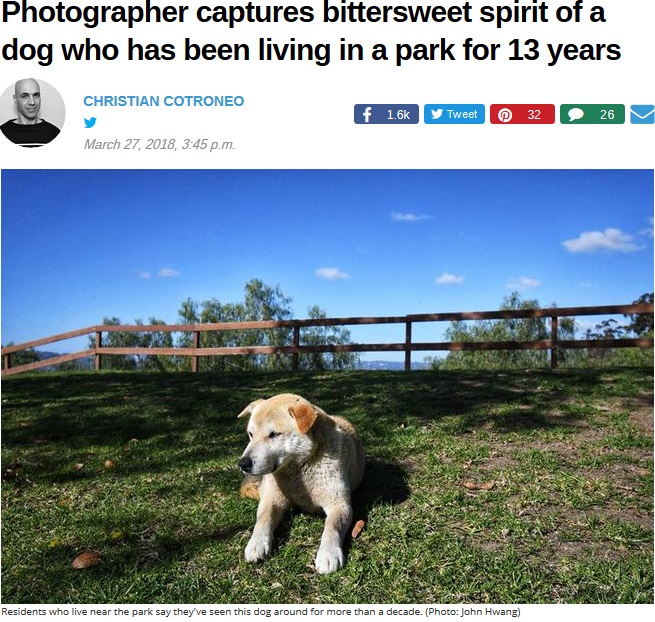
[{"x": 245, "y": 464}]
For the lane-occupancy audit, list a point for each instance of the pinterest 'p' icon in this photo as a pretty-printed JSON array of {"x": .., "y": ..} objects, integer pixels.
[{"x": 504, "y": 115}]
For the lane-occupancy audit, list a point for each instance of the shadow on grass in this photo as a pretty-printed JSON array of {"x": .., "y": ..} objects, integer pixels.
[
  {"x": 165, "y": 420},
  {"x": 384, "y": 483}
]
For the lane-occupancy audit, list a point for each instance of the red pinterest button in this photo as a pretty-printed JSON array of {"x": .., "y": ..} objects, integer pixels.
[{"x": 531, "y": 114}]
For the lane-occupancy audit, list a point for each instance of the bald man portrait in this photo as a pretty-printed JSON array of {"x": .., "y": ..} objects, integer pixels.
[{"x": 28, "y": 129}]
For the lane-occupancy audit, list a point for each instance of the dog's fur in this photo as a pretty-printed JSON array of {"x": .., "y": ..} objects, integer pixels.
[{"x": 300, "y": 456}]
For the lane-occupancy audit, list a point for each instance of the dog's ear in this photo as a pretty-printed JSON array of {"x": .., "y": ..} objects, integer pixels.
[
  {"x": 248, "y": 409},
  {"x": 305, "y": 415}
]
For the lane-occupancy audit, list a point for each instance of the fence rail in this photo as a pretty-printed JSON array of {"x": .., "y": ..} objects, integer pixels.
[{"x": 554, "y": 344}]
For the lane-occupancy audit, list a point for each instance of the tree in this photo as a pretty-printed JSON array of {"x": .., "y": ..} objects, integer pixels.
[
  {"x": 265, "y": 303},
  {"x": 514, "y": 329},
  {"x": 262, "y": 303},
  {"x": 325, "y": 335},
  {"x": 129, "y": 339},
  {"x": 22, "y": 357},
  {"x": 641, "y": 324}
]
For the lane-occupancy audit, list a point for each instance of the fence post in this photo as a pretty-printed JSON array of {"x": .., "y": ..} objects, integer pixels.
[
  {"x": 195, "y": 344},
  {"x": 295, "y": 357},
  {"x": 7, "y": 362},
  {"x": 408, "y": 343},
  {"x": 553, "y": 341},
  {"x": 98, "y": 356}
]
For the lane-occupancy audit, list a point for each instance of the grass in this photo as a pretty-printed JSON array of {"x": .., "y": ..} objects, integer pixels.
[{"x": 481, "y": 487}]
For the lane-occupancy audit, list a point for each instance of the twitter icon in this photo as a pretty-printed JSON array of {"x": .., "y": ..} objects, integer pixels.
[{"x": 89, "y": 123}]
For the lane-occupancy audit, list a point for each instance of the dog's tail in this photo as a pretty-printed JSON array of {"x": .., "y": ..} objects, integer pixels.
[{"x": 250, "y": 486}]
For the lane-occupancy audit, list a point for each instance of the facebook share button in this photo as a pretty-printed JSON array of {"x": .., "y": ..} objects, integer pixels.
[{"x": 387, "y": 114}]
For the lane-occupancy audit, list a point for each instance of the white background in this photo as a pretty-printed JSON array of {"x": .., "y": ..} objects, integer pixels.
[{"x": 300, "y": 115}]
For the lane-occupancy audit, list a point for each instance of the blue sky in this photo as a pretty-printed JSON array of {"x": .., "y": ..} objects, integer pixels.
[{"x": 81, "y": 245}]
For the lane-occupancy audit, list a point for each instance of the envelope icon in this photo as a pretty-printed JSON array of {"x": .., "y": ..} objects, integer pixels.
[{"x": 642, "y": 114}]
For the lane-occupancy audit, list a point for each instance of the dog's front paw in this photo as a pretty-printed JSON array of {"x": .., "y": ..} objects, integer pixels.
[
  {"x": 329, "y": 559},
  {"x": 258, "y": 548}
]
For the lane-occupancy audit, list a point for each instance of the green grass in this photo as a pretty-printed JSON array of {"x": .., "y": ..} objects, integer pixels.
[{"x": 567, "y": 457}]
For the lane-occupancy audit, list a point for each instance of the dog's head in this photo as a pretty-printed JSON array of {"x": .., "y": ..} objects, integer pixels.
[{"x": 279, "y": 432}]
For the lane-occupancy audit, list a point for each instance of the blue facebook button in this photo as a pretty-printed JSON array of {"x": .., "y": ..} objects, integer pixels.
[
  {"x": 463, "y": 114},
  {"x": 394, "y": 114}
]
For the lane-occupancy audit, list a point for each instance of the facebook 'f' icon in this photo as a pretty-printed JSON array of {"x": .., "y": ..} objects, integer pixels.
[{"x": 364, "y": 114}]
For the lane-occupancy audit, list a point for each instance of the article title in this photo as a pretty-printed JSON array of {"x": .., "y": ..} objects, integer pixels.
[{"x": 230, "y": 20}]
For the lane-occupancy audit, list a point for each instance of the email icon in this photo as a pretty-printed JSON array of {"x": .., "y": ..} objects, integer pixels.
[{"x": 642, "y": 114}]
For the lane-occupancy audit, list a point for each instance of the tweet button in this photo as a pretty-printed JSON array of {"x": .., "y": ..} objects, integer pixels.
[{"x": 448, "y": 114}]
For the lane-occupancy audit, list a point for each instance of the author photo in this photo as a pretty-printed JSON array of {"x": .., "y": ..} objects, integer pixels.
[{"x": 36, "y": 112}]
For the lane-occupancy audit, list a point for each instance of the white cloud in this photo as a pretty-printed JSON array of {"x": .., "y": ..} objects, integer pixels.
[
  {"x": 610, "y": 240},
  {"x": 407, "y": 217},
  {"x": 524, "y": 282},
  {"x": 648, "y": 232},
  {"x": 331, "y": 274},
  {"x": 162, "y": 273},
  {"x": 167, "y": 273},
  {"x": 449, "y": 279}
]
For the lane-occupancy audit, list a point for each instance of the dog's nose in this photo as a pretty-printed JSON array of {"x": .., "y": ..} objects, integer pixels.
[{"x": 245, "y": 464}]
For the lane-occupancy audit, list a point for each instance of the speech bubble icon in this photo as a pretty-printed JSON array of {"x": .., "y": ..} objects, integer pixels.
[{"x": 575, "y": 114}]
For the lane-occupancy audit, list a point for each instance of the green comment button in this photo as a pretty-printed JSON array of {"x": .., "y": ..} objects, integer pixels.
[{"x": 584, "y": 114}]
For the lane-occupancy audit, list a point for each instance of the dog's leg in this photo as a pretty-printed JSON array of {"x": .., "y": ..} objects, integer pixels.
[
  {"x": 270, "y": 512},
  {"x": 330, "y": 555}
]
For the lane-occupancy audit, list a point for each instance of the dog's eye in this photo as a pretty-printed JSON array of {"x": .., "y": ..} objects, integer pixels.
[
  {"x": 249, "y": 434},
  {"x": 273, "y": 434}
]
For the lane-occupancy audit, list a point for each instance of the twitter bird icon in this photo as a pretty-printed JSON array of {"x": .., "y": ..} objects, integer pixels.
[
  {"x": 89, "y": 123},
  {"x": 436, "y": 114}
]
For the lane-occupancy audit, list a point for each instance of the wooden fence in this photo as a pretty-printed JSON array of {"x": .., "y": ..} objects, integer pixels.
[{"x": 554, "y": 344}]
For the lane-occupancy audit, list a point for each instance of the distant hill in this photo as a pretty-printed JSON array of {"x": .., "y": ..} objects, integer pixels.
[
  {"x": 44, "y": 355},
  {"x": 372, "y": 365},
  {"x": 389, "y": 365}
]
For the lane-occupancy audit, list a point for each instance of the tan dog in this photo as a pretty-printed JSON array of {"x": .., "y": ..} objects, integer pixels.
[{"x": 300, "y": 456}]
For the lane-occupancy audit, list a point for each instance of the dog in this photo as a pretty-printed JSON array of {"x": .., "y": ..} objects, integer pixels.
[{"x": 299, "y": 456}]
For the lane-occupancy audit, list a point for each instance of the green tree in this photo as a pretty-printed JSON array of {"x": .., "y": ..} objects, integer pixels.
[
  {"x": 261, "y": 303},
  {"x": 130, "y": 339},
  {"x": 512, "y": 329},
  {"x": 325, "y": 335},
  {"x": 22, "y": 357},
  {"x": 264, "y": 303},
  {"x": 641, "y": 324}
]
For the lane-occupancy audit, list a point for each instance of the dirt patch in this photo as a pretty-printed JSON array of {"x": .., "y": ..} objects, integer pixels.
[{"x": 641, "y": 412}]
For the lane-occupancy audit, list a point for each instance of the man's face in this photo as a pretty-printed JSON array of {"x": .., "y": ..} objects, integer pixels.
[{"x": 28, "y": 99}]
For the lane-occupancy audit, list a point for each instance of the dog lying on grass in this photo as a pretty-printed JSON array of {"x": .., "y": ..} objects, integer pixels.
[{"x": 300, "y": 456}]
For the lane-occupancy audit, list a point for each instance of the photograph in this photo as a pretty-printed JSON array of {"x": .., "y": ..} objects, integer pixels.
[{"x": 325, "y": 386}]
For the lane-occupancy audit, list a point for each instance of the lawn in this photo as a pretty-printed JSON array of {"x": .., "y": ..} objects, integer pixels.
[{"x": 508, "y": 487}]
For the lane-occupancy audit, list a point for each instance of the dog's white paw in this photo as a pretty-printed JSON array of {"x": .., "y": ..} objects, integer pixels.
[
  {"x": 329, "y": 559},
  {"x": 258, "y": 549}
]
